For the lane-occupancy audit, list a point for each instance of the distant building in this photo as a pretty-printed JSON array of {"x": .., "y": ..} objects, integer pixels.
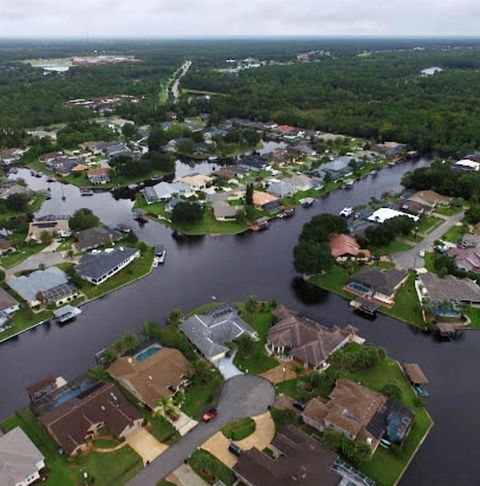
[
  {"x": 92, "y": 238},
  {"x": 265, "y": 201},
  {"x": 98, "y": 176},
  {"x": 344, "y": 247},
  {"x": 20, "y": 461},
  {"x": 390, "y": 149},
  {"x": 466, "y": 258},
  {"x": 224, "y": 211},
  {"x": 197, "y": 182}
]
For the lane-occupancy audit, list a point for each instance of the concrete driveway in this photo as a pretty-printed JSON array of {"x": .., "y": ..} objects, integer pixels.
[
  {"x": 186, "y": 476},
  {"x": 46, "y": 258},
  {"x": 145, "y": 445},
  {"x": 411, "y": 258},
  {"x": 242, "y": 396},
  {"x": 227, "y": 368}
]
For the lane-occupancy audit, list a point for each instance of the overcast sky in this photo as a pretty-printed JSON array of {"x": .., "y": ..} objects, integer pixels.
[{"x": 193, "y": 18}]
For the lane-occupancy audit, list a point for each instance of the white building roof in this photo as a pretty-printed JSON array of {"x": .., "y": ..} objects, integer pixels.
[
  {"x": 469, "y": 164},
  {"x": 383, "y": 214}
]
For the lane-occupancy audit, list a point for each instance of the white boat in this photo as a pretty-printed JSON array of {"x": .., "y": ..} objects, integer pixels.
[
  {"x": 160, "y": 254},
  {"x": 346, "y": 212}
]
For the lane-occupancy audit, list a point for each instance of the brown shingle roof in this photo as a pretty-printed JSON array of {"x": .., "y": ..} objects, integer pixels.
[
  {"x": 6, "y": 300},
  {"x": 70, "y": 422},
  {"x": 41, "y": 384},
  {"x": 151, "y": 378},
  {"x": 310, "y": 342}
]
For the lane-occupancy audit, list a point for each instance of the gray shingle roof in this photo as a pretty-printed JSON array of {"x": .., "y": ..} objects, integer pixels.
[
  {"x": 450, "y": 288},
  {"x": 381, "y": 281},
  {"x": 28, "y": 287},
  {"x": 209, "y": 332},
  {"x": 96, "y": 265},
  {"x": 18, "y": 457}
]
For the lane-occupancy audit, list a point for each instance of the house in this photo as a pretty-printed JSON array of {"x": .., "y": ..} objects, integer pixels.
[
  {"x": 98, "y": 266},
  {"x": 11, "y": 155},
  {"x": 455, "y": 291},
  {"x": 57, "y": 226},
  {"x": 377, "y": 284},
  {"x": 265, "y": 201},
  {"x": 75, "y": 414},
  {"x": 281, "y": 189},
  {"x": 253, "y": 162},
  {"x": 224, "y": 211},
  {"x": 298, "y": 459},
  {"x": 8, "y": 304},
  {"x": 414, "y": 207},
  {"x": 64, "y": 165},
  {"x": 94, "y": 147},
  {"x": 152, "y": 373},
  {"x": 361, "y": 414},
  {"x": 467, "y": 165},
  {"x": 466, "y": 258},
  {"x": 309, "y": 343},
  {"x": 197, "y": 182},
  {"x": 430, "y": 198},
  {"x": 344, "y": 247},
  {"x": 10, "y": 189},
  {"x": 389, "y": 149},
  {"x": 98, "y": 175},
  {"x": 384, "y": 214},
  {"x": 91, "y": 238},
  {"x": 6, "y": 246},
  {"x": 20, "y": 461},
  {"x": 164, "y": 191},
  {"x": 116, "y": 149},
  {"x": 49, "y": 286},
  {"x": 209, "y": 332}
]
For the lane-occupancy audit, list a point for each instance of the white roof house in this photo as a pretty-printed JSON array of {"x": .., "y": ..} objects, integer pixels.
[
  {"x": 20, "y": 460},
  {"x": 383, "y": 214},
  {"x": 467, "y": 164}
]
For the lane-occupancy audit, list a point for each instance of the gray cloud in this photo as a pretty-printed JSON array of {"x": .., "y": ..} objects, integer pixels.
[{"x": 190, "y": 18}]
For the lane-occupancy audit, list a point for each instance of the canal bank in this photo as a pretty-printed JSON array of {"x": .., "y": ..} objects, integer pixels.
[{"x": 231, "y": 268}]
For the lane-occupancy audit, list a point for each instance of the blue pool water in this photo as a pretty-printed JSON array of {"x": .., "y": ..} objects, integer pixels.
[
  {"x": 397, "y": 427},
  {"x": 146, "y": 353},
  {"x": 445, "y": 312},
  {"x": 359, "y": 288},
  {"x": 71, "y": 393}
]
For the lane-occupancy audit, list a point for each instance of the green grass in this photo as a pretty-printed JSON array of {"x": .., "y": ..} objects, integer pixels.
[
  {"x": 474, "y": 314},
  {"x": 447, "y": 210},
  {"x": 386, "y": 466},
  {"x": 24, "y": 251},
  {"x": 25, "y": 319},
  {"x": 202, "y": 92},
  {"x": 429, "y": 259},
  {"x": 334, "y": 280},
  {"x": 199, "y": 398},
  {"x": 454, "y": 234},
  {"x": 259, "y": 361},
  {"x": 108, "y": 469},
  {"x": 407, "y": 306},
  {"x": 134, "y": 271},
  {"x": 427, "y": 225},
  {"x": 162, "y": 429},
  {"x": 210, "y": 468},
  {"x": 106, "y": 443},
  {"x": 298, "y": 387},
  {"x": 240, "y": 429},
  {"x": 394, "y": 247}
]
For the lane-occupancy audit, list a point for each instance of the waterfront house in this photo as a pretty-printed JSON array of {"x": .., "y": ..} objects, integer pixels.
[
  {"x": 75, "y": 415},
  {"x": 389, "y": 149},
  {"x": 414, "y": 207},
  {"x": 447, "y": 294},
  {"x": 224, "y": 211},
  {"x": 98, "y": 175},
  {"x": 98, "y": 266},
  {"x": 116, "y": 149},
  {"x": 298, "y": 459},
  {"x": 377, "y": 284},
  {"x": 43, "y": 387},
  {"x": 309, "y": 343},
  {"x": 344, "y": 247},
  {"x": 211, "y": 331},
  {"x": 21, "y": 463},
  {"x": 253, "y": 162},
  {"x": 281, "y": 189},
  {"x": 49, "y": 286},
  {"x": 8, "y": 304},
  {"x": 430, "y": 198},
  {"x": 152, "y": 373},
  {"x": 57, "y": 226},
  {"x": 64, "y": 165},
  {"x": 384, "y": 214},
  {"x": 360, "y": 414},
  {"x": 164, "y": 191},
  {"x": 265, "y": 201},
  {"x": 12, "y": 188},
  {"x": 91, "y": 238},
  {"x": 197, "y": 182}
]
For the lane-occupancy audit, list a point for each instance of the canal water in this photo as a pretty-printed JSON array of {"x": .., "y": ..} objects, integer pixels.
[{"x": 230, "y": 268}]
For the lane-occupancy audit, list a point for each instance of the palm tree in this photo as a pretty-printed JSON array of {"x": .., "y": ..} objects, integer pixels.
[
  {"x": 252, "y": 305},
  {"x": 175, "y": 317},
  {"x": 150, "y": 330}
]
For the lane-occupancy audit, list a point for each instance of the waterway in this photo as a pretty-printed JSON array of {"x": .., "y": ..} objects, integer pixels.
[{"x": 231, "y": 268}]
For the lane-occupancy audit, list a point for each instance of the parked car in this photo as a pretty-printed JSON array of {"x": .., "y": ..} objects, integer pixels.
[
  {"x": 235, "y": 449},
  {"x": 299, "y": 405},
  {"x": 210, "y": 415}
]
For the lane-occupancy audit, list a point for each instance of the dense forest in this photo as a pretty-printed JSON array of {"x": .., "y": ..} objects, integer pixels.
[{"x": 370, "y": 88}]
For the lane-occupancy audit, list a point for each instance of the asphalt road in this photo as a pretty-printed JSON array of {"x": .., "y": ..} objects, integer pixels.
[
  {"x": 242, "y": 396},
  {"x": 411, "y": 258}
]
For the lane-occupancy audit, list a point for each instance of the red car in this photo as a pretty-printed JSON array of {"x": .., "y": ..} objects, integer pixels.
[{"x": 210, "y": 415}]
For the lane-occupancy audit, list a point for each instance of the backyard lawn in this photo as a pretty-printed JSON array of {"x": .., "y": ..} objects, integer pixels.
[
  {"x": 455, "y": 233},
  {"x": 448, "y": 210},
  {"x": 259, "y": 361},
  {"x": 24, "y": 251},
  {"x": 394, "y": 247},
  {"x": 240, "y": 429},
  {"x": 427, "y": 225},
  {"x": 161, "y": 429},
  {"x": 107, "y": 469},
  {"x": 210, "y": 468},
  {"x": 24, "y": 319}
]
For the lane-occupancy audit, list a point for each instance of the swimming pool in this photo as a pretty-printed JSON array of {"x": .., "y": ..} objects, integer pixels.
[
  {"x": 64, "y": 397},
  {"x": 359, "y": 288},
  {"x": 147, "y": 352},
  {"x": 446, "y": 312}
]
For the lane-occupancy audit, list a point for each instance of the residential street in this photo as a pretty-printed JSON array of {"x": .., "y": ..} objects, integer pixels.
[
  {"x": 242, "y": 396},
  {"x": 411, "y": 258}
]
